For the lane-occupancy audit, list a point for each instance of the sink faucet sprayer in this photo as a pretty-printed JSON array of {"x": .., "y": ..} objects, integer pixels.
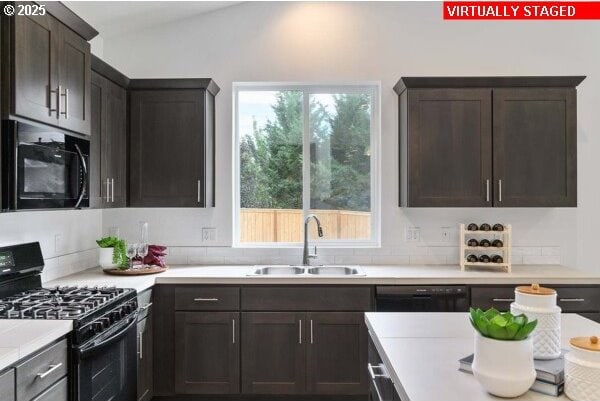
[{"x": 306, "y": 256}]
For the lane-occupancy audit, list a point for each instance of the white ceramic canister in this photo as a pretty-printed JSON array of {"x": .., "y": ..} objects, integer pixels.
[
  {"x": 540, "y": 303},
  {"x": 504, "y": 368},
  {"x": 582, "y": 369}
]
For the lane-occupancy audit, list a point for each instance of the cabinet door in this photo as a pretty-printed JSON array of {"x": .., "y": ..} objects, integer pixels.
[
  {"x": 98, "y": 183},
  {"x": 337, "y": 353},
  {"x": 7, "y": 386},
  {"x": 273, "y": 353},
  {"x": 449, "y": 147},
  {"x": 207, "y": 353},
  {"x": 535, "y": 147},
  {"x": 167, "y": 159},
  {"x": 116, "y": 133},
  {"x": 144, "y": 373},
  {"x": 35, "y": 68},
  {"x": 75, "y": 79}
]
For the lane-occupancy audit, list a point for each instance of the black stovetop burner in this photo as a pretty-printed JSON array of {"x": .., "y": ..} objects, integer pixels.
[{"x": 58, "y": 302}]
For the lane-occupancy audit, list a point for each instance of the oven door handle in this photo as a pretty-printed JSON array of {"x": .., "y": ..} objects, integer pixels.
[
  {"x": 87, "y": 351},
  {"x": 85, "y": 176}
]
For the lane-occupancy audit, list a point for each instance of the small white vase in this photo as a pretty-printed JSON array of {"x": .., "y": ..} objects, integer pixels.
[
  {"x": 504, "y": 368},
  {"x": 106, "y": 259},
  {"x": 582, "y": 373}
]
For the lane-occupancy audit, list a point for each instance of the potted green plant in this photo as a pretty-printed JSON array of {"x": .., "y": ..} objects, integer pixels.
[
  {"x": 503, "y": 361},
  {"x": 112, "y": 253}
]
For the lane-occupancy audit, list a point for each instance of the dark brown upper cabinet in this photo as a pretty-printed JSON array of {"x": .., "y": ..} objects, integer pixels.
[
  {"x": 172, "y": 136},
  {"x": 108, "y": 173},
  {"x": 47, "y": 70},
  {"x": 488, "y": 141}
]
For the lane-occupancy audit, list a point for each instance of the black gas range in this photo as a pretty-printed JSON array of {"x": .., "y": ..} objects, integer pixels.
[{"x": 103, "y": 341}]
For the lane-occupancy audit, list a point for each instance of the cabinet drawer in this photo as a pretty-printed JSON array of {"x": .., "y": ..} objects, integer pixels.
[
  {"x": 38, "y": 373},
  {"x": 207, "y": 298},
  {"x": 58, "y": 392},
  {"x": 7, "y": 386},
  {"x": 570, "y": 299},
  {"x": 303, "y": 298},
  {"x": 578, "y": 299},
  {"x": 144, "y": 300}
]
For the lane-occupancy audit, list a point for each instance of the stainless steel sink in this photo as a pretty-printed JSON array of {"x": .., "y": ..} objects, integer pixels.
[
  {"x": 277, "y": 271},
  {"x": 306, "y": 271},
  {"x": 336, "y": 271}
]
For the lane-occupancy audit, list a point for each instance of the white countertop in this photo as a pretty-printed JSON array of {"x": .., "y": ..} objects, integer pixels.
[
  {"x": 20, "y": 338},
  {"x": 407, "y": 275},
  {"x": 421, "y": 352}
]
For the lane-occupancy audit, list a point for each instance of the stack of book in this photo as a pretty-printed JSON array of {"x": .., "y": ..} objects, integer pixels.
[{"x": 550, "y": 374}]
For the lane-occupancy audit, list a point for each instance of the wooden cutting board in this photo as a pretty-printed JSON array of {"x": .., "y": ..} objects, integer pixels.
[{"x": 137, "y": 271}]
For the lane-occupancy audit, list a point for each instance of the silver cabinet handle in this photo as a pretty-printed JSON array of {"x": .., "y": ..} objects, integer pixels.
[
  {"x": 233, "y": 331},
  {"x": 374, "y": 376},
  {"x": 57, "y": 109},
  {"x": 145, "y": 307},
  {"x": 141, "y": 338},
  {"x": 311, "y": 331},
  {"x": 66, "y": 112},
  {"x": 499, "y": 190},
  {"x": 300, "y": 331},
  {"x": 107, "y": 190},
  {"x": 50, "y": 370},
  {"x": 198, "y": 191},
  {"x": 571, "y": 299},
  {"x": 112, "y": 186},
  {"x": 487, "y": 190},
  {"x": 503, "y": 299},
  {"x": 206, "y": 299}
]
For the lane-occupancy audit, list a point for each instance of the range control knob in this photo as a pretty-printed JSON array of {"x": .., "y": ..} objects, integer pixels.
[
  {"x": 127, "y": 309},
  {"x": 97, "y": 327},
  {"x": 115, "y": 315}
]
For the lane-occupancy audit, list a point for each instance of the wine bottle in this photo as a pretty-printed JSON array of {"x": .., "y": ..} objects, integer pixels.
[
  {"x": 472, "y": 242},
  {"x": 472, "y": 227},
  {"x": 485, "y": 243},
  {"x": 484, "y": 259},
  {"x": 497, "y": 259},
  {"x": 497, "y": 243},
  {"x": 498, "y": 227},
  {"x": 485, "y": 227},
  {"x": 472, "y": 258}
]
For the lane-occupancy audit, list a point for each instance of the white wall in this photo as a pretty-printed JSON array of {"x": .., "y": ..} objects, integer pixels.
[
  {"x": 75, "y": 249},
  {"x": 265, "y": 41}
]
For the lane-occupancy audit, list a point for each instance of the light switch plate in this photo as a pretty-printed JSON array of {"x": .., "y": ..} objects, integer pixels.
[
  {"x": 412, "y": 234},
  {"x": 209, "y": 234}
]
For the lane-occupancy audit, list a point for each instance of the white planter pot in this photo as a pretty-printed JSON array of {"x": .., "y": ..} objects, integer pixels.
[
  {"x": 504, "y": 368},
  {"x": 106, "y": 259}
]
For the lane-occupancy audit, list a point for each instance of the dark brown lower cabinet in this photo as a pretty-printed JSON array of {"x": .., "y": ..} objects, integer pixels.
[
  {"x": 207, "y": 353},
  {"x": 144, "y": 374},
  {"x": 273, "y": 353},
  {"x": 337, "y": 353}
]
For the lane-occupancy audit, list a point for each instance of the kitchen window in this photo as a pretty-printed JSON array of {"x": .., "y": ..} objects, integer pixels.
[{"x": 305, "y": 149}]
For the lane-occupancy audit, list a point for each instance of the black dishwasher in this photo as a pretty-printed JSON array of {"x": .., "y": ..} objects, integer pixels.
[{"x": 408, "y": 298}]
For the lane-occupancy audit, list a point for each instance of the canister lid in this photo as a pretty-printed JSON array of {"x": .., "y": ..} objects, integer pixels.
[
  {"x": 535, "y": 289},
  {"x": 586, "y": 343}
]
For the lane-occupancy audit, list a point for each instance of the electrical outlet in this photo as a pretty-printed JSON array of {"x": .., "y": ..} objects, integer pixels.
[
  {"x": 445, "y": 234},
  {"x": 57, "y": 243},
  {"x": 209, "y": 234},
  {"x": 412, "y": 234}
]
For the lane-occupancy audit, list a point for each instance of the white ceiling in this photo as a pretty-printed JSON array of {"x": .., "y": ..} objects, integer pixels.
[{"x": 112, "y": 18}]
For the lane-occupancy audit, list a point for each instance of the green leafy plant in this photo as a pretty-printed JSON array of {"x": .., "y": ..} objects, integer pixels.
[
  {"x": 119, "y": 252},
  {"x": 501, "y": 326}
]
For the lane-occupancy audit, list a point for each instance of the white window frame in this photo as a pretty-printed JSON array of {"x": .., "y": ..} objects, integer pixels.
[{"x": 372, "y": 87}]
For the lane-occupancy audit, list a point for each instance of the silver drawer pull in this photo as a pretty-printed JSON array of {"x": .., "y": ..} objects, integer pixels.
[
  {"x": 145, "y": 307},
  {"x": 572, "y": 299},
  {"x": 141, "y": 353},
  {"x": 50, "y": 370},
  {"x": 376, "y": 375},
  {"x": 206, "y": 299},
  {"x": 300, "y": 331},
  {"x": 503, "y": 299}
]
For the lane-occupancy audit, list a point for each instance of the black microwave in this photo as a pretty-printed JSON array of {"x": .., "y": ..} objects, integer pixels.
[{"x": 42, "y": 168}]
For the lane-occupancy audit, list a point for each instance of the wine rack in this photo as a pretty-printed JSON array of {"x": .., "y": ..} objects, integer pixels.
[{"x": 504, "y": 250}]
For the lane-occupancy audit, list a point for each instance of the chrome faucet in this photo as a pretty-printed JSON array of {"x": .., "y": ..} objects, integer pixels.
[{"x": 306, "y": 256}]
